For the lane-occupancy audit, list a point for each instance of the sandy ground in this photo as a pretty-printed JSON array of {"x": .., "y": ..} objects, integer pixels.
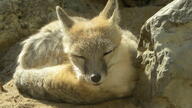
[{"x": 132, "y": 19}]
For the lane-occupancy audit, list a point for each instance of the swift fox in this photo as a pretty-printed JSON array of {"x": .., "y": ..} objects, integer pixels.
[{"x": 78, "y": 60}]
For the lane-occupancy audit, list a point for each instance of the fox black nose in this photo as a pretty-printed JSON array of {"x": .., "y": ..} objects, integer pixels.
[{"x": 95, "y": 78}]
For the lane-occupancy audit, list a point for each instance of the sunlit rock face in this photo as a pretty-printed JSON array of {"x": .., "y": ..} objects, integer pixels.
[{"x": 166, "y": 51}]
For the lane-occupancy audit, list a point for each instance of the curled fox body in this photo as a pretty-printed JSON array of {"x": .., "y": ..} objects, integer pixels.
[{"x": 78, "y": 60}]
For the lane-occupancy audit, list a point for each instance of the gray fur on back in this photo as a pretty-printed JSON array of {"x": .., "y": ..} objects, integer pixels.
[{"x": 41, "y": 50}]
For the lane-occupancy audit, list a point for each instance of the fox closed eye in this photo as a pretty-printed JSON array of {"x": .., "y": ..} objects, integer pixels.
[
  {"x": 78, "y": 56},
  {"x": 108, "y": 52}
]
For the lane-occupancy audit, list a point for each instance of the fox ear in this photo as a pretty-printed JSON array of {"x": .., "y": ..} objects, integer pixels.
[
  {"x": 65, "y": 20},
  {"x": 111, "y": 11}
]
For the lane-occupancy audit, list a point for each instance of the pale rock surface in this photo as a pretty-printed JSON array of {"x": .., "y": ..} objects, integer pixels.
[{"x": 166, "y": 51}]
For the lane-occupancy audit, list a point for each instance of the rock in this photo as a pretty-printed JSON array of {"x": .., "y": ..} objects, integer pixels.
[
  {"x": 131, "y": 3},
  {"x": 2, "y": 88},
  {"x": 165, "y": 47},
  {"x": 136, "y": 3},
  {"x": 160, "y": 2}
]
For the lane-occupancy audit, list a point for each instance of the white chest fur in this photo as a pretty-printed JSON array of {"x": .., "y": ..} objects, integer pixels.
[{"x": 121, "y": 74}]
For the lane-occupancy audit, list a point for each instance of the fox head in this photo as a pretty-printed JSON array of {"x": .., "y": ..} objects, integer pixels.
[{"x": 90, "y": 44}]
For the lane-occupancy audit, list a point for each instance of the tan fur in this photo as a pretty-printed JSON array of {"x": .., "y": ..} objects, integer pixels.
[
  {"x": 47, "y": 68},
  {"x": 99, "y": 27},
  {"x": 51, "y": 27}
]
